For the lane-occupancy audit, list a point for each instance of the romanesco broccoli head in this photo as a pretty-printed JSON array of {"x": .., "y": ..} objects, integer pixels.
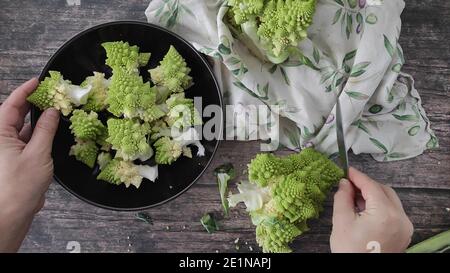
[
  {"x": 287, "y": 191},
  {"x": 96, "y": 100},
  {"x": 86, "y": 126},
  {"x": 122, "y": 55},
  {"x": 172, "y": 72},
  {"x": 284, "y": 24},
  {"x": 129, "y": 138},
  {"x": 85, "y": 151},
  {"x": 58, "y": 93},
  {"x": 274, "y": 27}
]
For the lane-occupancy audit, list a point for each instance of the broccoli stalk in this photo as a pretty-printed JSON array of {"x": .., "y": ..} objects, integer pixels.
[
  {"x": 224, "y": 173},
  {"x": 58, "y": 93},
  {"x": 283, "y": 193}
]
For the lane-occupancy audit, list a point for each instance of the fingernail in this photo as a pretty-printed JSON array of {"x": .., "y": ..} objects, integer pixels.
[
  {"x": 52, "y": 113},
  {"x": 344, "y": 182}
]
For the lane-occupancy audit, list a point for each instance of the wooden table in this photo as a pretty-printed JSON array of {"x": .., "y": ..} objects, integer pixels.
[{"x": 31, "y": 31}]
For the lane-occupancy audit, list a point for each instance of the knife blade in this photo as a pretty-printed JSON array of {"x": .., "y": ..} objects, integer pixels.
[{"x": 343, "y": 156}]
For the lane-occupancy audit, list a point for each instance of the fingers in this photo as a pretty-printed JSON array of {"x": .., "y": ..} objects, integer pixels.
[
  {"x": 25, "y": 133},
  {"x": 15, "y": 107},
  {"x": 44, "y": 132},
  {"x": 344, "y": 203},
  {"x": 392, "y": 195},
  {"x": 371, "y": 191}
]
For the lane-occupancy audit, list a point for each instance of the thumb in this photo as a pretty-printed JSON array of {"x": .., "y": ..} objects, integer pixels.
[
  {"x": 44, "y": 132},
  {"x": 344, "y": 203}
]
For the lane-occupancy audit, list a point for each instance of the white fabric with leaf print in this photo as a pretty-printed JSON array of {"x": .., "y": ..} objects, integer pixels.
[{"x": 351, "y": 46}]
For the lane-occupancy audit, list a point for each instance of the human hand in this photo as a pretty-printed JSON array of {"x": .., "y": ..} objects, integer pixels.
[
  {"x": 26, "y": 165},
  {"x": 375, "y": 215}
]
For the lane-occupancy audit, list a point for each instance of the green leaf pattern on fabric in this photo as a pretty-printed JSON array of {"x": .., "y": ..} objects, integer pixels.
[{"x": 349, "y": 53}]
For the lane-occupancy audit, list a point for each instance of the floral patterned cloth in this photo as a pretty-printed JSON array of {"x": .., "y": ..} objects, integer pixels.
[{"x": 352, "y": 51}]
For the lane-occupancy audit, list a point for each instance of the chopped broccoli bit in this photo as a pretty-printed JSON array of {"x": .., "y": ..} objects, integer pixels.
[{"x": 209, "y": 223}]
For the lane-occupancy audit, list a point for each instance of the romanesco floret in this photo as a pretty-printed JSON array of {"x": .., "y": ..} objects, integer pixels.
[
  {"x": 243, "y": 10},
  {"x": 122, "y": 55},
  {"x": 182, "y": 112},
  {"x": 129, "y": 138},
  {"x": 122, "y": 84},
  {"x": 284, "y": 193},
  {"x": 86, "y": 126},
  {"x": 103, "y": 159},
  {"x": 96, "y": 100},
  {"x": 141, "y": 103},
  {"x": 170, "y": 149},
  {"x": 85, "y": 151},
  {"x": 119, "y": 171},
  {"x": 273, "y": 26},
  {"x": 56, "y": 92},
  {"x": 172, "y": 72}
]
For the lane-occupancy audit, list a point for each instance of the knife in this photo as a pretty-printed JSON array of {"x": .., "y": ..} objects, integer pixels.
[{"x": 343, "y": 156}]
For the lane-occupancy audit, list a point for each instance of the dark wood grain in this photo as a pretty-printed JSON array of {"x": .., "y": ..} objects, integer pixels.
[{"x": 30, "y": 31}]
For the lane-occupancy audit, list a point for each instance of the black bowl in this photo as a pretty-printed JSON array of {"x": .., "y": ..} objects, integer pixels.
[{"x": 82, "y": 55}]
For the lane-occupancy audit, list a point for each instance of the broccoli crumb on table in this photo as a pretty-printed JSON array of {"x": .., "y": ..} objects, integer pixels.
[{"x": 30, "y": 34}]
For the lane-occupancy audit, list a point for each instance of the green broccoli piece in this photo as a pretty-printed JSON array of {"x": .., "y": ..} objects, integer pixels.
[
  {"x": 182, "y": 113},
  {"x": 122, "y": 55},
  {"x": 172, "y": 72},
  {"x": 272, "y": 27},
  {"x": 58, "y": 93},
  {"x": 86, "y": 126},
  {"x": 122, "y": 84},
  {"x": 85, "y": 151},
  {"x": 129, "y": 138},
  {"x": 119, "y": 171},
  {"x": 96, "y": 100},
  {"x": 142, "y": 104},
  {"x": 170, "y": 149},
  {"x": 284, "y": 193}
]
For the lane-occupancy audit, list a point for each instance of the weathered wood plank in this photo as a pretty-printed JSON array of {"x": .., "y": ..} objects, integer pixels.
[
  {"x": 30, "y": 31},
  {"x": 176, "y": 226}
]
